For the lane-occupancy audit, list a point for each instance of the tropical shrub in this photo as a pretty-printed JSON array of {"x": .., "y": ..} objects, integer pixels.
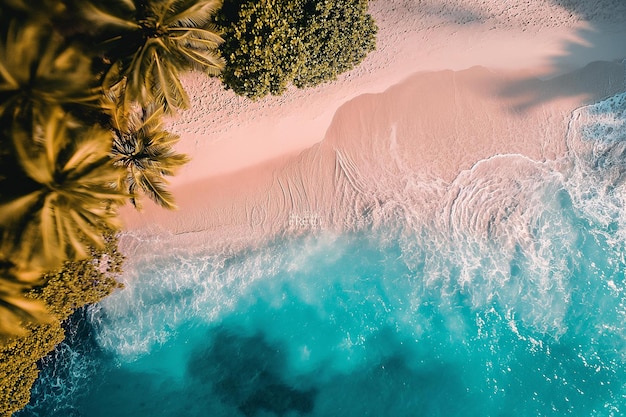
[
  {"x": 271, "y": 44},
  {"x": 263, "y": 47},
  {"x": 73, "y": 286},
  {"x": 338, "y": 36}
]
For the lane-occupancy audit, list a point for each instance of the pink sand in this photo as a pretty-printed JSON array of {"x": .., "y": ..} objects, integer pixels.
[{"x": 450, "y": 84}]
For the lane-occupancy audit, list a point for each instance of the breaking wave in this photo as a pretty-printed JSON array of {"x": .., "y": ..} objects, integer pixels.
[{"x": 509, "y": 300}]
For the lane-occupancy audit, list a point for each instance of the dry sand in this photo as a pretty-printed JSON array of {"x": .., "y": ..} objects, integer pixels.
[{"x": 452, "y": 83}]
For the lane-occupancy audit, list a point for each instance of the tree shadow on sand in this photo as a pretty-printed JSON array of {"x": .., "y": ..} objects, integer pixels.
[
  {"x": 595, "y": 81},
  {"x": 575, "y": 70}
]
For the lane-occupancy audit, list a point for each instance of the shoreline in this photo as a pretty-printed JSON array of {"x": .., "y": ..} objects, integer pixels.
[
  {"x": 377, "y": 152},
  {"x": 225, "y": 133},
  {"x": 322, "y": 150}
]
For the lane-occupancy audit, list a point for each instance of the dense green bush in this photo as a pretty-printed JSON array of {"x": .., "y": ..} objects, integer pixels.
[
  {"x": 73, "y": 286},
  {"x": 338, "y": 36},
  {"x": 270, "y": 44},
  {"x": 18, "y": 364}
]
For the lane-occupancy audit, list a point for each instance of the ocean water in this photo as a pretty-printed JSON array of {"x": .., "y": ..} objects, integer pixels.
[{"x": 512, "y": 302}]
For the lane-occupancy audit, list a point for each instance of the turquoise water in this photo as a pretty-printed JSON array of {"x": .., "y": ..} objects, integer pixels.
[{"x": 513, "y": 303}]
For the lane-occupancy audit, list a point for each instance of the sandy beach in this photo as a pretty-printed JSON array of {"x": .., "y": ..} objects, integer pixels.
[
  {"x": 451, "y": 86},
  {"x": 440, "y": 231}
]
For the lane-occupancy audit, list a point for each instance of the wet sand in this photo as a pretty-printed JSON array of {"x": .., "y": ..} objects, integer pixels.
[{"x": 451, "y": 84}]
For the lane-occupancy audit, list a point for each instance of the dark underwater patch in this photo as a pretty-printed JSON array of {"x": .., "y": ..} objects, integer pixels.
[{"x": 246, "y": 372}]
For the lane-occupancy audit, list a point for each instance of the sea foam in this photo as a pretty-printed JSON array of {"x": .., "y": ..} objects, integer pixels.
[{"x": 510, "y": 298}]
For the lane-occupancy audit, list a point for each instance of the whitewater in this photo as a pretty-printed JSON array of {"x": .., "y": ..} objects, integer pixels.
[{"x": 497, "y": 292}]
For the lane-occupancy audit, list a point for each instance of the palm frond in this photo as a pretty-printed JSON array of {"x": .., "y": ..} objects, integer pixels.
[
  {"x": 15, "y": 309},
  {"x": 100, "y": 17},
  {"x": 93, "y": 148},
  {"x": 133, "y": 190},
  {"x": 36, "y": 8},
  {"x": 13, "y": 210},
  {"x": 73, "y": 174},
  {"x": 112, "y": 103},
  {"x": 206, "y": 61},
  {"x": 166, "y": 88},
  {"x": 207, "y": 38},
  {"x": 191, "y": 13},
  {"x": 137, "y": 73},
  {"x": 152, "y": 118},
  {"x": 30, "y": 153},
  {"x": 39, "y": 70},
  {"x": 146, "y": 151},
  {"x": 155, "y": 188},
  {"x": 114, "y": 79},
  {"x": 8, "y": 82}
]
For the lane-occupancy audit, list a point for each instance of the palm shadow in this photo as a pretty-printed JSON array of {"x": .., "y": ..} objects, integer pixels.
[{"x": 590, "y": 63}]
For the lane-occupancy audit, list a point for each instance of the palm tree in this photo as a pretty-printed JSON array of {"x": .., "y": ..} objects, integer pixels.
[
  {"x": 150, "y": 42},
  {"x": 38, "y": 70},
  {"x": 64, "y": 196},
  {"x": 146, "y": 151}
]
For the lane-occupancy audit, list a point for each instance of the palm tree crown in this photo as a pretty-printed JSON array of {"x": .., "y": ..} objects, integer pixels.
[
  {"x": 151, "y": 42},
  {"x": 146, "y": 151},
  {"x": 38, "y": 70},
  {"x": 66, "y": 193}
]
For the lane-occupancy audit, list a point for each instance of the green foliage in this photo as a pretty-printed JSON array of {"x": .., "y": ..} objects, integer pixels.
[
  {"x": 145, "y": 151},
  {"x": 62, "y": 170},
  {"x": 75, "y": 285},
  {"x": 270, "y": 44},
  {"x": 339, "y": 35},
  {"x": 151, "y": 42},
  {"x": 82, "y": 282},
  {"x": 38, "y": 70},
  {"x": 15, "y": 309},
  {"x": 18, "y": 363},
  {"x": 263, "y": 48},
  {"x": 69, "y": 196}
]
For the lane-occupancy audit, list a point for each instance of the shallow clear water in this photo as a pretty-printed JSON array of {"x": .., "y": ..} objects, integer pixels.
[{"x": 512, "y": 306}]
